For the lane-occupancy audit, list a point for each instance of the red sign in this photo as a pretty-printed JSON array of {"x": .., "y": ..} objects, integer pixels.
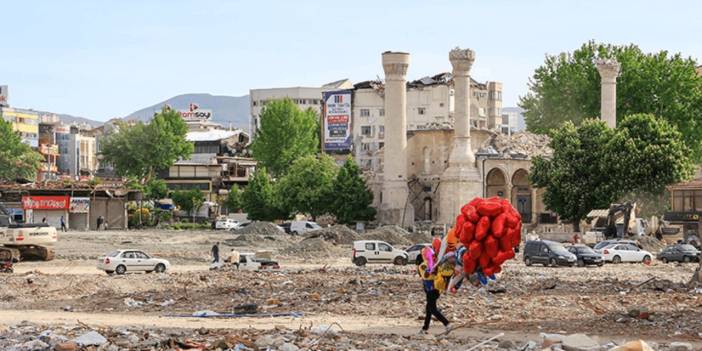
[{"x": 45, "y": 202}]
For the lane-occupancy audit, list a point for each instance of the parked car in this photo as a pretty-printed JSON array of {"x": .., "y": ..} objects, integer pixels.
[
  {"x": 680, "y": 253},
  {"x": 123, "y": 261},
  {"x": 375, "y": 251},
  {"x": 227, "y": 224},
  {"x": 617, "y": 253},
  {"x": 604, "y": 243},
  {"x": 286, "y": 227},
  {"x": 584, "y": 255},
  {"x": 249, "y": 261},
  {"x": 413, "y": 252},
  {"x": 548, "y": 253},
  {"x": 301, "y": 227}
]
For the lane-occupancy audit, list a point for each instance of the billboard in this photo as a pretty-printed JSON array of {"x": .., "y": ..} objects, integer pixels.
[
  {"x": 45, "y": 202},
  {"x": 3, "y": 95},
  {"x": 337, "y": 120},
  {"x": 80, "y": 205},
  {"x": 195, "y": 113}
]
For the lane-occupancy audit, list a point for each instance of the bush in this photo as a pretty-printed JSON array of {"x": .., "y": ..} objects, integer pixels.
[{"x": 188, "y": 226}]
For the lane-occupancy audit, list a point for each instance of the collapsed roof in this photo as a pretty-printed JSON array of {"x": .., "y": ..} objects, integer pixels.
[{"x": 521, "y": 145}]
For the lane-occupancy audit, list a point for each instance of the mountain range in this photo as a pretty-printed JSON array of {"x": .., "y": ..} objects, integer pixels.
[{"x": 228, "y": 111}]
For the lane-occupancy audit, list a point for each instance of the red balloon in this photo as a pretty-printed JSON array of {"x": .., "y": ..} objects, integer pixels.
[
  {"x": 491, "y": 246},
  {"x": 482, "y": 228},
  {"x": 498, "y": 225},
  {"x": 468, "y": 233}
]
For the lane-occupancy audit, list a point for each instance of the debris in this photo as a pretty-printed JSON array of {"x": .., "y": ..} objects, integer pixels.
[
  {"x": 66, "y": 346},
  {"x": 311, "y": 248},
  {"x": 91, "y": 338},
  {"x": 680, "y": 346},
  {"x": 579, "y": 342},
  {"x": 638, "y": 345},
  {"x": 205, "y": 313},
  {"x": 337, "y": 235},
  {"x": 476, "y": 347},
  {"x": 261, "y": 228},
  {"x": 132, "y": 303},
  {"x": 391, "y": 234}
]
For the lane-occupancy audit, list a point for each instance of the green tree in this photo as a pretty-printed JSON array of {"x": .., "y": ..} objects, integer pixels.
[
  {"x": 351, "y": 198},
  {"x": 258, "y": 199},
  {"x": 306, "y": 187},
  {"x": 155, "y": 189},
  {"x": 593, "y": 165},
  {"x": 140, "y": 150},
  {"x": 189, "y": 201},
  {"x": 286, "y": 134},
  {"x": 567, "y": 88},
  {"x": 17, "y": 159},
  {"x": 233, "y": 200}
]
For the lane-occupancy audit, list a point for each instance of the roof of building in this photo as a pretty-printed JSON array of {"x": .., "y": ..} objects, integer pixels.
[
  {"x": 695, "y": 183},
  {"x": 443, "y": 78},
  {"x": 212, "y": 134},
  {"x": 339, "y": 84},
  {"x": 521, "y": 145}
]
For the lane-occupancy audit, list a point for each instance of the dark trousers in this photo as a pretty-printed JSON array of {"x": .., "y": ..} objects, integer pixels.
[{"x": 432, "y": 298}]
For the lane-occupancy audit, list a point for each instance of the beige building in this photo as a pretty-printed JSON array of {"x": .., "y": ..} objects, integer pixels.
[{"x": 303, "y": 97}]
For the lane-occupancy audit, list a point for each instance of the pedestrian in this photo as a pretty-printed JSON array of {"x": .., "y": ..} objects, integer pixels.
[
  {"x": 63, "y": 225},
  {"x": 234, "y": 258},
  {"x": 215, "y": 252},
  {"x": 434, "y": 283},
  {"x": 99, "y": 222}
]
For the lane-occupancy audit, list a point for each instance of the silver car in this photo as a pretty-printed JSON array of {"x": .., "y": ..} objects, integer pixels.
[{"x": 123, "y": 261}]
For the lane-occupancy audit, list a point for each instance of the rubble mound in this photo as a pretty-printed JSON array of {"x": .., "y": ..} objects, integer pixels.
[
  {"x": 391, "y": 234},
  {"x": 419, "y": 238},
  {"x": 245, "y": 240},
  {"x": 651, "y": 244},
  {"x": 261, "y": 228},
  {"x": 337, "y": 235},
  {"x": 518, "y": 145},
  {"x": 310, "y": 248}
]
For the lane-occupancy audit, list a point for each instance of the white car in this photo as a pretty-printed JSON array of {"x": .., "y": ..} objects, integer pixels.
[
  {"x": 414, "y": 251},
  {"x": 227, "y": 223},
  {"x": 375, "y": 251},
  {"x": 123, "y": 261},
  {"x": 617, "y": 253},
  {"x": 301, "y": 227}
]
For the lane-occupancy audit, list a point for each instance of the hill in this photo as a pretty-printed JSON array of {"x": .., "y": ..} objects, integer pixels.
[{"x": 225, "y": 109}]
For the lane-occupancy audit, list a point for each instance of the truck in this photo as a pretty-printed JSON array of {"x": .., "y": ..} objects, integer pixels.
[{"x": 26, "y": 241}]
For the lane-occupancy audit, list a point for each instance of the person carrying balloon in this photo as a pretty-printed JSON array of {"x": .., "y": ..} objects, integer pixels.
[{"x": 435, "y": 280}]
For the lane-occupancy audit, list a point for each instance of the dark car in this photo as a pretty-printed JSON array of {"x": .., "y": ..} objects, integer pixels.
[
  {"x": 548, "y": 253},
  {"x": 586, "y": 256},
  {"x": 414, "y": 253},
  {"x": 679, "y": 253}
]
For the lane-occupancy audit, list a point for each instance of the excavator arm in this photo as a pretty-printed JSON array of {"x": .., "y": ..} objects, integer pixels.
[{"x": 611, "y": 230}]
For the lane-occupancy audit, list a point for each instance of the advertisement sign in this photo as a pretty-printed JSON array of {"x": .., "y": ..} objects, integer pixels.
[
  {"x": 45, "y": 202},
  {"x": 3, "y": 95},
  {"x": 80, "y": 205},
  {"x": 195, "y": 113},
  {"x": 337, "y": 120}
]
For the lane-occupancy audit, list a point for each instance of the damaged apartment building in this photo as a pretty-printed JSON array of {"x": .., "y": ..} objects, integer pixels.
[{"x": 219, "y": 161}]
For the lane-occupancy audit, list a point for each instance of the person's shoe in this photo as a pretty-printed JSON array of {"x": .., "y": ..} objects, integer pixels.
[
  {"x": 448, "y": 329},
  {"x": 422, "y": 332}
]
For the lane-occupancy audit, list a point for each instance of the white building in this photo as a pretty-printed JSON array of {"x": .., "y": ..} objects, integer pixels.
[
  {"x": 430, "y": 105},
  {"x": 303, "y": 97}
]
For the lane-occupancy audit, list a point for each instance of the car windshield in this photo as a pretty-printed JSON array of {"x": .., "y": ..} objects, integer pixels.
[
  {"x": 687, "y": 247},
  {"x": 113, "y": 254},
  {"x": 558, "y": 249},
  {"x": 602, "y": 244},
  {"x": 585, "y": 250}
]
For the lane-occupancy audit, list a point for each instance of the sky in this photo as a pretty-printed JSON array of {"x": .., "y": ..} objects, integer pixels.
[{"x": 105, "y": 59}]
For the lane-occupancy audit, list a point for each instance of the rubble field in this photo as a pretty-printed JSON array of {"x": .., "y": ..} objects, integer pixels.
[{"x": 610, "y": 303}]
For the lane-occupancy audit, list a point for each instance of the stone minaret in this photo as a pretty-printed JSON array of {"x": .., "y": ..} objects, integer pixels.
[
  {"x": 460, "y": 182},
  {"x": 609, "y": 70},
  {"x": 395, "y": 207}
]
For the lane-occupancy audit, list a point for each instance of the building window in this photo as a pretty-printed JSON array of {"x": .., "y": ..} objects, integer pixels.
[
  {"x": 254, "y": 103},
  {"x": 421, "y": 110},
  {"x": 365, "y": 147},
  {"x": 365, "y": 112},
  {"x": 366, "y": 131},
  {"x": 381, "y": 145},
  {"x": 381, "y": 112},
  {"x": 441, "y": 104},
  {"x": 381, "y": 132}
]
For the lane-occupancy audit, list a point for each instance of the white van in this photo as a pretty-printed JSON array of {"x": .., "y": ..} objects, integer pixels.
[
  {"x": 376, "y": 251},
  {"x": 301, "y": 227}
]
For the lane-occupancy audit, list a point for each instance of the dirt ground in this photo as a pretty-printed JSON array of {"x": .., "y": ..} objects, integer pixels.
[{"x": 384, "y": 300}]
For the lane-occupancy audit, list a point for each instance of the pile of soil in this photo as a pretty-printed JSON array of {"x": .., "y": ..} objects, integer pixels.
[
  {"x": 310, "y": 248},
  {"x": 419, "y": 238},
  {"x": 337, "y": 235},
  {"x": 261, "y": 228},
  {"x": 246, "y": 240},
  {"x": 651, "y": 244},
  {"x": 391, "y": 234}
]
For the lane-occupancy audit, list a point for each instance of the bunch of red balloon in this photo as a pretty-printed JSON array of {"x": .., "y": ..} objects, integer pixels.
[{"x": 489, "y": 229}]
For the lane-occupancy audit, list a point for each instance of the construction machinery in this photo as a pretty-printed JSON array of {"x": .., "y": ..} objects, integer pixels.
[
  {"x": 631, "y": 226},
  {"x": 27, "y": 241}
]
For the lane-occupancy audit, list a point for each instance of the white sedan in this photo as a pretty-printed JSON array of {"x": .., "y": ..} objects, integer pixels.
[
  {"x": 617, "y": 253},
  {"x": 123, "y": 261}
]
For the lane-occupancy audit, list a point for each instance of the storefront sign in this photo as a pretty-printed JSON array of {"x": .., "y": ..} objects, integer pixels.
[
  {"x": 337, "y": 121},
  {"x": 682, "y": 216},
  {"x": 80, "y": 204},
  {"x": 195, "y": 113},
  {"x": 45, "y": 202}
]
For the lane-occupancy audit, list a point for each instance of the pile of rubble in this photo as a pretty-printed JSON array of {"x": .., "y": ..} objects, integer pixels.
[
  {"x": 311, "y": 248},
  {"x": 261, "y": 228},
  {"x": 651, "y": 244},
  {"x": 518, "y": 145},
  {"x": 337, "y": 235},
  {"x": 391, "y": 234}
]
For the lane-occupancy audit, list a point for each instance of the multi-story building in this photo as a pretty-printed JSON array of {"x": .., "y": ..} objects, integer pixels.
[
  {"x": 48, "y": 147},
  {"x": 25, "y": 122},
  {"x": 303, "y": 97},
  {"x": 430, "y": 106}
]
